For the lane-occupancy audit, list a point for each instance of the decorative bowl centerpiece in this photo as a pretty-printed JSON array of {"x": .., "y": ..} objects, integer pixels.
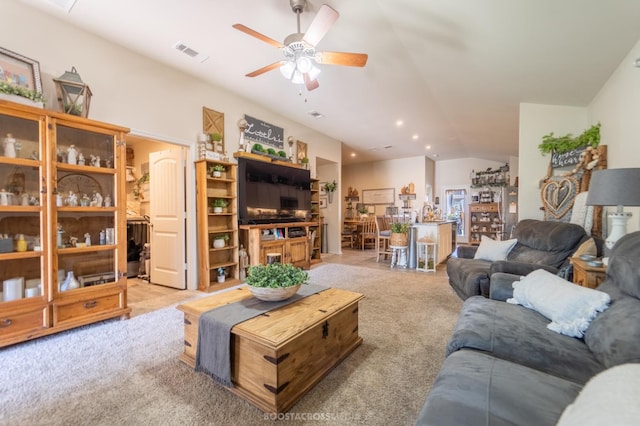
[{"x": 275, "y": 282}]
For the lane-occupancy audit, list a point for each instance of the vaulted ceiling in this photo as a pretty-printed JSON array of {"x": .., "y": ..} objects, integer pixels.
[{"x": 453, "y": 72}]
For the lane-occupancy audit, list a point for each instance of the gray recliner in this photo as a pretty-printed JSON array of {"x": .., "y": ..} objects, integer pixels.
[{"x": 541, "y": 244}]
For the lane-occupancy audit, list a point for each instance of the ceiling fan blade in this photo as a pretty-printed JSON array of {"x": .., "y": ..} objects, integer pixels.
[
  {"x": 342, "y": 58},
  {"x": 321, "y": 24},
  {"x": 257, "y": 35},
  {"x": 266, "y": 69},
  {"x": 311, "y": 84}
]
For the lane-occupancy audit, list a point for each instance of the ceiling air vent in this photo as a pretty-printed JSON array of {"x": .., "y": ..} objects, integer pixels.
[
  {"x": 315, "y": 114},
  {"x": 66, "y": 5},
  {"x": 190, "y": 52}
]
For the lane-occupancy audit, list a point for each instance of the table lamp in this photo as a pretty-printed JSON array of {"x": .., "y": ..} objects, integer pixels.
[{"x": 615, "y": 187}]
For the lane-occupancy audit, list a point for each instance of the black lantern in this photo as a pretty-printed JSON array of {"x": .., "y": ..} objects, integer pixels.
[{"x": 74, "y": 96}]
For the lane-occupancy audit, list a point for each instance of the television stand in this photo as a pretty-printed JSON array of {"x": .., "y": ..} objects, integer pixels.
[{"x": 290, "y": 240}]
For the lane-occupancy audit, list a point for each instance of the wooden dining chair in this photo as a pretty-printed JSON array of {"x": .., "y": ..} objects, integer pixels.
[
  {"x": 368, "y": 233},
  {"x": 383, "y": 236}
]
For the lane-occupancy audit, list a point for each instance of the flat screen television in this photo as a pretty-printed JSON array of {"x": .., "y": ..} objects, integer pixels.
[{"x": 272, "y": 193}]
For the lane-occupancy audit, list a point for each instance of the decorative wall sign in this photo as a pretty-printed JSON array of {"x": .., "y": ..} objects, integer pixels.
[
  {"x": 379, "y": 196},
  {"x": 213, "y": 122},
  {"x": 264, "y": 133},
  {"x": 568, "y": 158},
  {"x": 558, "y": 195}
]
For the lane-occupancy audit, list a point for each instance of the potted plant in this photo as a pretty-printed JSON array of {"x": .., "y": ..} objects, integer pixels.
[
  {"x": 275, "y": 281},
  {"x": 257, "y": 148},
  {"x": 222, "y": 274},
  {"x": 216, "y": 170},
  {"x": 305, "y": 162},
  {"x": 399, "y": 234},
  {"x": 220, "y": 240},
  {"x": 363, "y": 211},
  {"x": 219, "y": 204},
  {"x": 330, "y": 187}
]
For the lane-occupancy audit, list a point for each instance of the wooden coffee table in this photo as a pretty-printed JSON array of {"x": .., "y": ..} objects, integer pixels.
[{"x": 279, "y": 356}]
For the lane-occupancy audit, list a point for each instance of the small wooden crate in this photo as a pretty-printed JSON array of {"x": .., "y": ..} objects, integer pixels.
[{"x": 279, "y": 356}]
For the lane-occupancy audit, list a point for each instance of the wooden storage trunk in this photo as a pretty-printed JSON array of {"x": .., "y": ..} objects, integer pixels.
[{"x": 279, "y": 356}]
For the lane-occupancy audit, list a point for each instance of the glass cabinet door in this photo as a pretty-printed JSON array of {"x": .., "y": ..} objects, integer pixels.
[
  {"x": 85, "y": 221},
  {"x": 22, "y": 218}
]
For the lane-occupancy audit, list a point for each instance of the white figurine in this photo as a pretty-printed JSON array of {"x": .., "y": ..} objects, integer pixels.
[
  {"x": 4, "y": 197},
  {"x": 25, "y": 199},
  {"x": 59, "y": 200},
  {"x": 81, "y": 161},
  {"x": 96, "y": 199},
  {"x": 72, "y": 155},
  {"x": 87, "y": 239},
  {"x": 107, "y": 200},
  {"x": 9, "y": 146},
  {"x": 72, "y": 199},
  {"x": 95, "y": 161}
]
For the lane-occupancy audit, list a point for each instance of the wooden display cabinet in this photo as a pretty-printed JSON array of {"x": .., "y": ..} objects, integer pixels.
[
  {"x": 289, "y": 240},
  {"x": 38, "y": 201},
  {"x": 212, "y": 225},
  {"x": 485, "y": 220}
]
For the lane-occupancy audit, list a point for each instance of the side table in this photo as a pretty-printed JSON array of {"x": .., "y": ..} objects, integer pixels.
[
  {"x": 586, "y": 275},
  {"x": 399, "y": 256}
]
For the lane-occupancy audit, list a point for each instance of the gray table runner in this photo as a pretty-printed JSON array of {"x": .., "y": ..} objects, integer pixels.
[{"x": 213, "y": 355}]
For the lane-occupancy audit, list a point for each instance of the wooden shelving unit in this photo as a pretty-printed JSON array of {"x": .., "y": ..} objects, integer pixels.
[
  {"x": 211, "y": 225},
  {"x": 485, "y": 220},
  {"x": 44, "y": 187},
  {"x": 316, "y": 217}
]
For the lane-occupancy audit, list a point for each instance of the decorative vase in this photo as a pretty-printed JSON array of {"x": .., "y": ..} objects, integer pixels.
[
  {"x": 274, "y": 294},
  {"x": 70, "y": 282},
  {"x": 218, "y": 243},
  {"x": 217, "y": 210},
  {"x": 221, "y": 278},
  {"x": 330, "y": 195},
  {"x": 217, "y": 174}
]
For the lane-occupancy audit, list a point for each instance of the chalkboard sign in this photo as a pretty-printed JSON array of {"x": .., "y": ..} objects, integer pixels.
[
  {"x": 264, "y": 133},
  {"x": 568, "y": 158}
]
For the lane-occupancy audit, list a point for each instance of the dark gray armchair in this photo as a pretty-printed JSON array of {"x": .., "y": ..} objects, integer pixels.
[{"x": 541, "y": 244}]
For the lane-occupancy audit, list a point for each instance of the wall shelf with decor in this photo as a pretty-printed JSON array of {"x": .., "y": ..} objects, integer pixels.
[
  {"x": 67, "y": 266},
  {"x": 217, "y": 236},
  {"x": 485, "y": 220},
  {"x": 490, "y": 177}
]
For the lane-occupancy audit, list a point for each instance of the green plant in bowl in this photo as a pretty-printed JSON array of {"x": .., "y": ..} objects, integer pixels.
[{"x": 276, "y": 275}]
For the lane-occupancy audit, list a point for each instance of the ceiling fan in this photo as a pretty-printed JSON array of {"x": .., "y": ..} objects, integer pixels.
[{"x": 300, "y": 55}]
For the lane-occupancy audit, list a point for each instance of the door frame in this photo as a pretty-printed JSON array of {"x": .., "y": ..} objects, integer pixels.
[
  {"x": 467, "y": 200},
  {"x": 190, "y": 201}
]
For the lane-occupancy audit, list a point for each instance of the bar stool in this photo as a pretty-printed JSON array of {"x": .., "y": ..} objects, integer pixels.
[
  {"x": 399, "y": 256},
  {"x": 426, "y": 255}
]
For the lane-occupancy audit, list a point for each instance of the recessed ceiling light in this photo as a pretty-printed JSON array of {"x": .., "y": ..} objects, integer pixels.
[
  {"x": 415, "y": 137},
  {"x": 353, "y": 154},
  {"x": 399, "y": 123},
  {"x": 427, "y": 147}
]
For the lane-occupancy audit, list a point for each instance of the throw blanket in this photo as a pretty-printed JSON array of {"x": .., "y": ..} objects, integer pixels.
[{"x": 213, "y": 355}]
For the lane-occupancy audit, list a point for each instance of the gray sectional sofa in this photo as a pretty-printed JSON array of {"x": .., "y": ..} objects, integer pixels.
[
  {"x": 541, "y": 244},
  {"x": 504, "y": 367}
]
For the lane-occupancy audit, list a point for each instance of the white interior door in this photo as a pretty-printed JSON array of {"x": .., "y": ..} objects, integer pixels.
[{"x": 168, "y": 215}]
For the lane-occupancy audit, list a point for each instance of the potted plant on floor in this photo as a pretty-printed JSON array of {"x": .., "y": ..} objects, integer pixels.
[
  {"x": 399, "y": 234},
  {"x": 219, "y": 204},
  {"x": 275, "y": 281}
]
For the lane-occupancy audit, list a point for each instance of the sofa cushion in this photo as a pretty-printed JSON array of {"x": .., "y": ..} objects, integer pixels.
[
  {"x": 623, "y": 267},
  {"x": 609, "y": 398},
  {"x": 473, "y": 388},
  {"x": 570, "y": 307},
  {"x": 546, "y": 242},
  {"x": 520, "y": 335},
  {"x": 492, "y": 250}
]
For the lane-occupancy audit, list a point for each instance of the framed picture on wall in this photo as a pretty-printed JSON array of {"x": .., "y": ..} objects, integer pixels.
[
  {"x": 323, "y": 202},
  {"x": 19, "y": 72},
  {"x": 301, "y": 150},
  {"x": 321, "y": 188}
]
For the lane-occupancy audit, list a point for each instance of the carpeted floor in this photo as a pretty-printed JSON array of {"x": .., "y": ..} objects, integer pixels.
[{"x": 128, "y": 372}]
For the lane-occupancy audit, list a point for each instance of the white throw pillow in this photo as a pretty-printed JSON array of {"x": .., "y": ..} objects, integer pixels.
[
  {"x": 608, "y": 398},
  {"x": 570, "y": 307},
  {"x": 493, "y": 250}
]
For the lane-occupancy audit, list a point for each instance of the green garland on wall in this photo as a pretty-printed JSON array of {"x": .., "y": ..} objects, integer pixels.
[{"x": 552, "y": 144}]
